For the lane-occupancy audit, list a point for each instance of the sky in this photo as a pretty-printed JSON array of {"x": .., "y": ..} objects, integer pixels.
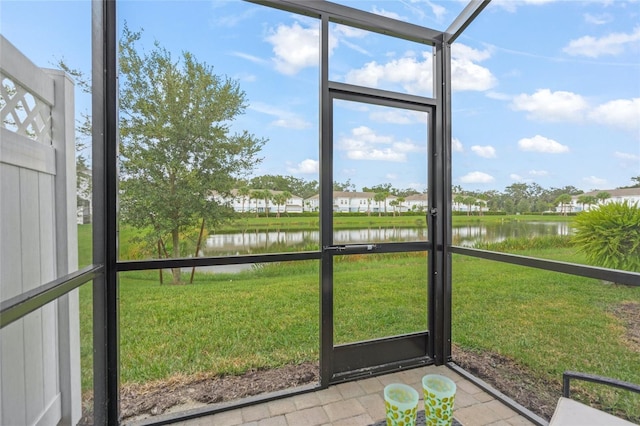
[{"x": 544, "y": 91}]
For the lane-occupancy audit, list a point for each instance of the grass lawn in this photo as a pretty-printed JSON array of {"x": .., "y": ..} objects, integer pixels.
[{"x": 545, "y": 321}]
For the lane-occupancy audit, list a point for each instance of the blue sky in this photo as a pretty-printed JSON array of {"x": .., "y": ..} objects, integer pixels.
[{"x": 544, "y": 91}]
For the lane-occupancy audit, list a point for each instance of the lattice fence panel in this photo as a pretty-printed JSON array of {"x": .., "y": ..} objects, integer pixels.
[{"x": 23, "y": 113}]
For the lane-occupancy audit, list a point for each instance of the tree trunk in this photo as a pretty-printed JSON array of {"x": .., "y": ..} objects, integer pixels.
[
  {"x": 193, "y": 270},
  {"x": 160, "y": 257},
  {"x": 175, "y": 237}
]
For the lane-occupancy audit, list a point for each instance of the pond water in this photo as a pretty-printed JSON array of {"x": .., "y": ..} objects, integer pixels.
[{"x": 467, "y": 235}]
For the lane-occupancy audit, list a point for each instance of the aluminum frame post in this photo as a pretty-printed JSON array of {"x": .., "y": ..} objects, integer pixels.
[{"x": 105, "y": 180}]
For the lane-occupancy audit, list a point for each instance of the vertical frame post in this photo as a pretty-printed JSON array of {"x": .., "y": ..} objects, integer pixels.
[
  {"x": 326, "y": 210},
  {"x": 439, "y": 317},
  {"x": 104, "y": 149}
]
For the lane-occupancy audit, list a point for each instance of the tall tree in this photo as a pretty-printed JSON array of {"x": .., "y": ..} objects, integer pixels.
[
  {"x": 563, "y": 200},
  {"x": 401, "y": 200},
  {"x": 256, "y": 195},
  {"x": 380, "y": 197},
  {"x": 244, "y": 193},
  {"x": 176, "y": 145},
  {"x": 602, "y": 195},
  {"x": 280, "y": 199},
  {"x": 344, "y": 187}
]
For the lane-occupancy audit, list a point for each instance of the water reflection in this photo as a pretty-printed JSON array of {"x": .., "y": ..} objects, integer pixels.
[{"x": 468, "y": 235}]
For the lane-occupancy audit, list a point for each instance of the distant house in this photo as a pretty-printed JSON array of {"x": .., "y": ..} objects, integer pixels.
[
  {"x": 416, "y": 202},
  {"x": 630, "y": 195},
  {"x": 247, "y": 204},
  {"x": 363, "y": 202}
]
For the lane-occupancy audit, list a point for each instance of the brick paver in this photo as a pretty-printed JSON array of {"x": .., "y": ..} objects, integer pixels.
[
  {"x": 309, "y": 417},
  {"x": 343, "y": 409},
  {"x": 361, "y": 403}
]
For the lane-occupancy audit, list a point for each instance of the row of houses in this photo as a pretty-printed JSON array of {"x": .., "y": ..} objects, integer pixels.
[
  {"x": 343, "y": 202},
  {"x": 365, "y": 202}
]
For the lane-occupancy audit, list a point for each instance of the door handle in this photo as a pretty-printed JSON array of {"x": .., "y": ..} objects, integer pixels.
[{"x": 351, "y": 248}]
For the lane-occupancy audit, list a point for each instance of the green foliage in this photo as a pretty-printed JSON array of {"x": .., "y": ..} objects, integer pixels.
[
  {"x": 295, "y": 186},
  {"x": 176, "y": 146},
  {"x": 525, "y": 243},
  {"x": 609, "y": 235}
]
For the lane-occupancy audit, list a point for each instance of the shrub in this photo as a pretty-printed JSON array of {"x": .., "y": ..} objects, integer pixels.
[{"x": 609, "y": 235}]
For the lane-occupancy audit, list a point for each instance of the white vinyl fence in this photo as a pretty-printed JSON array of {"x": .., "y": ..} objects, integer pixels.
[{"x": 40, "y": 353}]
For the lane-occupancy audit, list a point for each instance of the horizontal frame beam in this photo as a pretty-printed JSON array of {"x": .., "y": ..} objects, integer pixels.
[
  {"x": 613, "y": 275},
  {"x": 356, "y": 18},
  {"x": 25, "y": 303},
  {"x": 192, "y": 262}
]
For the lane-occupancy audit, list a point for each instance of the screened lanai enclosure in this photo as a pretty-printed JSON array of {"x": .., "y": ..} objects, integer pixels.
[{"x": 234, "y": 157}]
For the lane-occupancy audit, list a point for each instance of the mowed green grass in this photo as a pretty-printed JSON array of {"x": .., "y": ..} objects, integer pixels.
[{"x": 546, "y": 322}]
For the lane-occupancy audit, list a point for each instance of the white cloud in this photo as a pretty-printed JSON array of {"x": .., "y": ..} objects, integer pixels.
[
  {"x": 347, "y": 31},
  {"x": 466, "y": 74},
  {"x": 292, "y": 122},
  {"x": 512, "y": 6},
  {"x": 514, "y": 176},
  {"x": 355, "y": 47},
  {"x": 594, "y": 182},
  {"x": 538, "y": 172},
  {"x": 541, "y": 144},
  {"x": 498, "y": 96},
  {"x": 295, "y": 47},
  {"x": 397, "y": 116},
  {"x": 545, "y": 105},
  {"x": 626, "y": 156},
  {"x": 421, "y": 187},
  {"x": 286, "y": 119},
  {"x": 601, "y": 19},
  {"x": 414, "y": 73},
  {"x": 620, "y": 113},
  {"x": 246, "y": 77},
  {"x": 477, "y": 177},
  {"x": 456, "y": 145},
  {"x": 391, "y": 176},
  {"x": 251, "y": 58},
  {"x": 438, "y": 11},
  {"x": 388, "y": 14},
  {"x": 612, "y": 44},
  {"x": 365, "y": 144},
  {"x": 484, "y": 151},
  {"x": 233, "y": 20},
  {"x": 377, "y": 154},
  {"x": 307, "y": 166}
]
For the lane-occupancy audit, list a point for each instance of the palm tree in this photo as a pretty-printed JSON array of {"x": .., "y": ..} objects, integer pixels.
[
  {"x": 256, "y": 195},
  {"x": 459, "y": 200},
  {"x": 481, "y": 204},
  {"x": 588, "y": 200},
  {"x": 469, "y": 201},
  {"x": 601, "y": 196},
  {"x": 279, "y": 200},
  {"x": 244, "y": 192},
  {"x": 266, "y": 196},
  {"x": 286, "y": 195},
  {"x": 401, "y": 201},
  {"x": 378, "y": 197},
  {"x": 394, "y": 204},
  {"x": 563, "y": 200}
]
